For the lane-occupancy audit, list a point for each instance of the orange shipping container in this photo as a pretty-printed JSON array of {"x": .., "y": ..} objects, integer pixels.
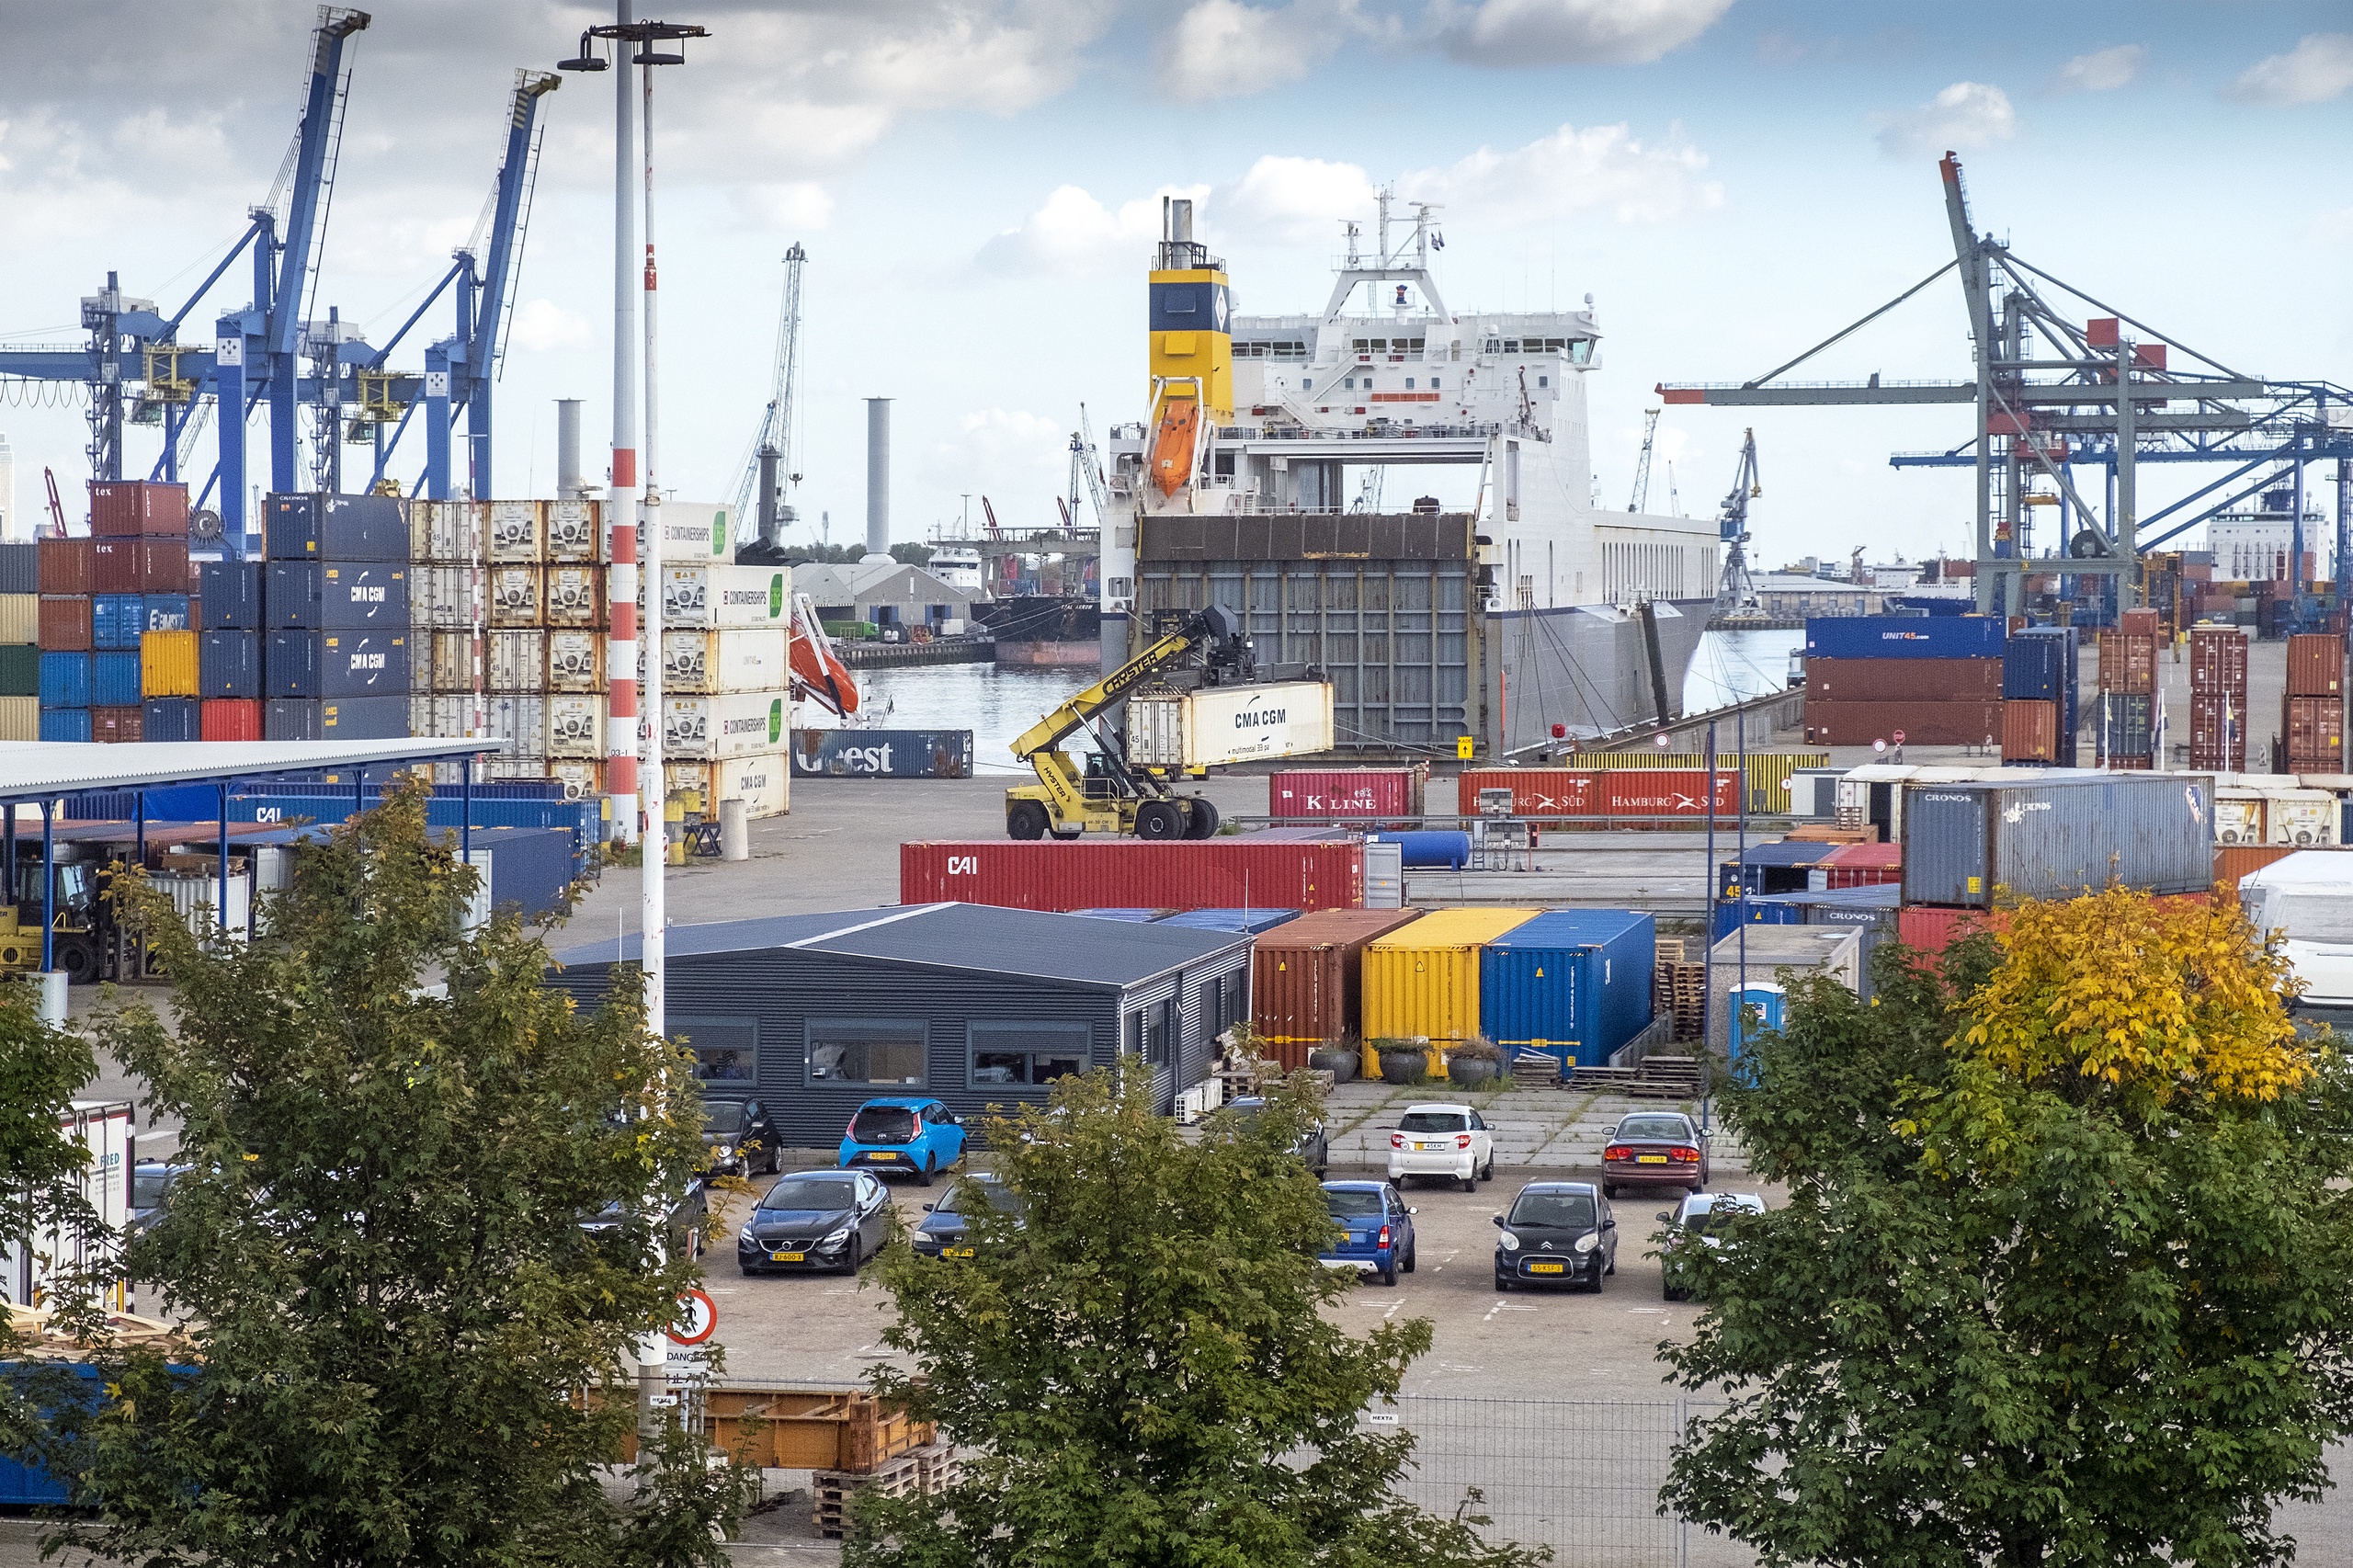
[
  {"x": 64, "y": 624},
  {"x": 2315, "y": 666},
  {"x": 2029, "y": 731},
  {"x": 1307, "y": 979},
  {"x": 2314, "y": 730},
  {"x": 2128, "y": 662},
  {"x": 2233, "y": 861}
]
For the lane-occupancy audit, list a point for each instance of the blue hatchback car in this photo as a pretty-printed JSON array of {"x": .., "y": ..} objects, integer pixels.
[
  {"x": 1379, "y": 1227},
  {"x": 919, "y": 1137}
]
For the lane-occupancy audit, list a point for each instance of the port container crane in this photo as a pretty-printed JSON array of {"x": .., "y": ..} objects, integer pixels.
[
  {"x": 1642, "y": 463},
  {"x": 776, "y": 430},
  {"x": 1736, "y": 588}
]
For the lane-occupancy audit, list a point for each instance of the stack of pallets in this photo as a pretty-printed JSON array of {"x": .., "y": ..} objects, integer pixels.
[
  {"x": 1656, "y": 1078},
  {"x": 1681, "y": 990},
  {"x": 919, "y": 1472}
]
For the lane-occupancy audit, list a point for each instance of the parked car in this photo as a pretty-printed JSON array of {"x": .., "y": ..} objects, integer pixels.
[
  {"x": 741, "y": 1137},
  {"x": 815, "y": 1220},
  {"x": 1313, "y": 1147},
  {"x": 1655, "y": 1147},
  {"x": 1450, "y": 1141},
  {"x": 1699, "y": 1220},
  {"x": 1556, "y": 1233},
  {"x": 151, "y": 1182},
  {"x": 920, "y": 1137},
  {"x": 942, "y": 1232},
  {"x": 688, "y": 1222},
  {"x": 1379, "y": 1227}
]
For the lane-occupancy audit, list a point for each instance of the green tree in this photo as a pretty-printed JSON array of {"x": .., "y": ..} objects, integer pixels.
[
  {"x": 2065, "y": 1276},
  {"x": 406, "y": 1347},
  {"x": 43, "y": 1072},
  {"x": 1140, "y": 1370}
]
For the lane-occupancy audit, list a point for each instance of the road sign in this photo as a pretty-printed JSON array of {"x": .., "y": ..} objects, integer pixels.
[
  {"x": 1462, "y": 745},
  {"x": 698, "y": 1319},
  {"x": 1899, "y": 737}
]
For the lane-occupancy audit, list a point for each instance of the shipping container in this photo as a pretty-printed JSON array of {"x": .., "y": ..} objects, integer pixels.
[
  {"x": 1669, "y": 792},
  {"x": 575, "y": 725},
  {"x": 1573, "y": 983},
  {"x": 114, "y": 680},
  {"x": 228, "y": 663},
  {"x": 711, "y": 663},
  {"x": 1785, "y": 866},
  {"x": 516, "y": 531},
  {"x": 575, "y": 660},
  {"x": 67, "y": 566},
  {"x": 20, "y": 619},
  {"x": 2312, "y": 729},
  {"x": 19, "y": 567},
  {"x": 517, "y": 595},
  {"x": 440, "y": 530},
  {"x": 1535, "y": 791},
  {"x": 2128, "y": 662},
  {"x": 1219, "y": 724},
  {"x": 230, "y": 595},
  {"x": 230, "y": 719},
  {"x": 520, "y": 721},
  {"x": 2217, "y": 659},
  {"x": 20, "y": 719},
  {"x": 2239, "y": 816},
  {"x": 2121, "y": 724},
  {"x": 575, "y": 595},
  {"x": 1903, "y": 680},
  {"x": 2029, "y": 731},
  {"x": 167, "y": 613},
  {"x": 445, "y": 598},
  {"x": 2303, "y": 819},
  {"x": 173, "y": 719},
  {"x": 66, "y": 625},
  {"x": 129, "y": 507},
  {"x": 517, "y": 660},
  {"x": 1921, "y": 723},
  {"x": 1353, "y": 793},
  {"x": 2056, "y": 835},
  {"x": 333, "y": 527},
  {"x": 336, "y": 664},
  {"x": 2218, "y": 728},
  {"x": 324, "y": 595},
  {"x": 2038, "y": 665},
  {"x": 1849, "y": 866},
  {"x": 579, "y": 779},
  {"x": 19, "y": 670},
  {"x": 882, "y": 753},
  {"x": 1307, "y": 980},
  {"x": 763, "y": 781},
  {"x": 693, "y": 530},
  {"x": 117, "y": 620},
  {"x": 575, "y": 531},
  {"x": 448, "y": 662},
  {"x": 2317, "y": 664},
  {"x": 713, "y": 597},
  {"x": 65, "y": 680},
  {"x": 2233, "y": 861},
  {"x": 335, "y": 719},
  {"x": 67, "y": 724},
  {"x": 2142, "y": 623},
  {"x": 710, "y": 728},
  {"x": 1767, "y": 773},
  {"x": 1903, "y": 637},
  {"x": 1212, "y": 873},
  {"x": 168, "y": 665},
  {"x": 139, "y": 566},
  {"x": 119, "y": 726},
  {"x": 1424, "y": 980},
  {"x": 1242, "y": 922}
]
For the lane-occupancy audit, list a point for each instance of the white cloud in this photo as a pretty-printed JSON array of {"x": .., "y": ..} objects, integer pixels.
[
  {"x": 542, "y": 325},
  {"x": 1226, "y": 49},
  {"x": 1570, "y": 32},
  {"x": 1967, "y": 113},
  {"x": 1073, "y": 232},
  {"x": 1298, "y": 199},
  {"x": 2317, "y": 69},
  {"x": 791, "y": 205},
  {"x": 2104, "y": 69},
  {"x": 1572, "y": 170},
  {"x": 1017, "y": 459}
]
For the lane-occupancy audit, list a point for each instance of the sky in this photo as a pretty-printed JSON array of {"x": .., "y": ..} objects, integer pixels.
[{"x": 977, "y": 185}]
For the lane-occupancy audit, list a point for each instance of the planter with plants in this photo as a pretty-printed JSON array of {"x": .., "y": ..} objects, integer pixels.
[
  {"x": 1338, "y": 1061},
  {"x": 1402, "y": 1060},
  {"x": 1474, "y": 1062}
]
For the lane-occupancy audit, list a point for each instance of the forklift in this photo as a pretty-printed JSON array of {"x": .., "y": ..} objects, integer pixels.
[{"x": 83, "y": 935}]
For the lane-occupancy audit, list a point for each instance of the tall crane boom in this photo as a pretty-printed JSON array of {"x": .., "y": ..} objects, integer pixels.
[
  {"x": 776, "y": 419},
  {"x": 1642, "y": 463},
  {"x": 1736, "y": 588}
]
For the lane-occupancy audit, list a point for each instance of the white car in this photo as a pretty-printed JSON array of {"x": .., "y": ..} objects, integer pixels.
[{"x": 1450, "y": 1141}]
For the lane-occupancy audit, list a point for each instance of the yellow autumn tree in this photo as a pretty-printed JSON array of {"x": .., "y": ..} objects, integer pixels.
[{"x": 2168, "y": 996}]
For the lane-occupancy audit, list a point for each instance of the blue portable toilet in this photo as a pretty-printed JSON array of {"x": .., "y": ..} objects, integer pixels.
[
  {"x": 1575, "y": 983},
  {"x": 1754, "y": 1006}
]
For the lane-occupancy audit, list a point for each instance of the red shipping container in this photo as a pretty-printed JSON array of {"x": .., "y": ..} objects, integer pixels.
[
  {"x": 1931, "y": 928},
  {"x": 1668, "y": 792},
  {"x": 2217, "y": 659},
  {"x": 1535, "y": 791},
  {"x": 1323, "y": 794},
  {"x": 2128, "y": 662},
  {"x": 2029, "y": 731},
  {"x": 128, "y": 508},
  {"x": 1126, "y": 873},
  {"x": 2313, "y": 728},
  {"x": 65, "y": 625},
  {"x": 117, "y": 724},
  {"x": 115, "y": 566},
  {"x": 65, "y": 566},
  {"x": 2218, "y": 732},
  {"x": 2141, "y": 623},
  {"x": 1903, "y": 680},
  {"x": 1306, "y": 979},
  {"x": 230, "y": 719},
  {"x": 2315, "y": 666},
  {"x": 1862, "y": 866},
  {"x": 2233, "y": 861},
  {"x": 163, "y": 567},
  {"x": 1923, "y": 723}
]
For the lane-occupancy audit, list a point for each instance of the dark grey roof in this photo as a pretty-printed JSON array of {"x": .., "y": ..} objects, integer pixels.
[{"x": 1025, "y": 942}]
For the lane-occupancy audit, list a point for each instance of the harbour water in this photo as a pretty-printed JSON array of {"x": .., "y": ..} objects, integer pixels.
[{"x": 1734, "y": 667}]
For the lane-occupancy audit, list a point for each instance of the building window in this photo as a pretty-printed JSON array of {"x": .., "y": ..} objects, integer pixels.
[
  {"x": 726, "y": 1050},
  {"x": 1306, "y": 383},
  {"x": 1015, "y": 1053},
  {"x": 1161, "y": 1023},
  {"x": 866, "y": 1051},
  {"x": 1409, "y": 383},
  {"x": 1543, "y": 380},
  {"x": 1433, "y": 383},
  {"x": 1349, "y": 384}
]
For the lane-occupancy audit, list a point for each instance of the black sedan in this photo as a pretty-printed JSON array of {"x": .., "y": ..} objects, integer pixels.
[
  {"x": 815, "y": 1220},
  {"x": 942, "y": 1232},
  {"x": 1314, "y": 1148},
  {"x": 1557, "y": 1233},
  {"x": 688, "y": 1222},
  {"x": 739, "y": 1138}
]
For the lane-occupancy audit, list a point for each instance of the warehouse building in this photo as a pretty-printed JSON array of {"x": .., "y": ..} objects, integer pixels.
[{"x": 973, "y": 1004}]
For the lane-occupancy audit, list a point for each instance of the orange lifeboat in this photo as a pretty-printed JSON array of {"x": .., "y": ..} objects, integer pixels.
[
  {"x": 1172, "y": 449},
  {"x": 817, "y": 671}
]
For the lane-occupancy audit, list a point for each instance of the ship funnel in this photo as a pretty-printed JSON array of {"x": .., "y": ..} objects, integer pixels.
[
  {"x": 1176, "y": 219},
  {"x": 878, "y": 476},
  {"x": 567, "y": 448}
]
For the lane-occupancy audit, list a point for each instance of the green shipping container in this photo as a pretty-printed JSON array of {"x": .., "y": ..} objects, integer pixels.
[{"x": 19, "y": 671}]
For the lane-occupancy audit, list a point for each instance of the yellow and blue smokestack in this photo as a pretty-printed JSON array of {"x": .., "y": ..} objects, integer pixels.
[{"x": 1192, "y": 346}]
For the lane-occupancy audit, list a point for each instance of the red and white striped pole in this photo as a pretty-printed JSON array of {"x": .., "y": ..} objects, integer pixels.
[{"x": 621, "y": 581}]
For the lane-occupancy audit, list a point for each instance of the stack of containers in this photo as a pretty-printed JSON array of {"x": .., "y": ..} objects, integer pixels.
[
  {"x": 514, "y": 571},
  {"x": 228, "y": 655},
  {"x": 102, "y": 600},
  {"x": 2039, "y": 672},
  {"x": 447, "y": 608},
  {"x": 19, "y": 643},
  {"x": 2218, "y": 686},
  {"x": 334, "y": 644},
  {"x": 1937, "y": 678},
  {"x": 2125, "y": 722},
  {"x": 2311, "y": 711},
  {"x": 725, "y": 677}
]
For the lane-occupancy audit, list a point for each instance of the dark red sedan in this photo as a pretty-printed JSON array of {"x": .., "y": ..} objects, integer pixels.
[{"x": 1662, "y": 1148}]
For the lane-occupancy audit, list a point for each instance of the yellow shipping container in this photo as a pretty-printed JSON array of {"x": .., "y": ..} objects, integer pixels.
[
  {"x": 20, "y": 619},
  {"x": 1425, "y": 979},
  {"x": 19, "y": 718},
  {"x": 167, "y": 664}
]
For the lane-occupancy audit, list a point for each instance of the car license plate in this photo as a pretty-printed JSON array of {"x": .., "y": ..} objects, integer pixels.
[
  {"x": 785, "y": 1257},
  {"x": 1650, "y": 1159},
  {"x": 1544, "y": 1268},
  {"x": 1429, "y": 1145},
  {"x": 882, "y": 1156},
  {"x": 955, "y": 1252}
]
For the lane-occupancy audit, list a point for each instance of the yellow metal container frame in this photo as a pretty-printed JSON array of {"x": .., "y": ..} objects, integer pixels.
[{"x": 1424, "y": 981}]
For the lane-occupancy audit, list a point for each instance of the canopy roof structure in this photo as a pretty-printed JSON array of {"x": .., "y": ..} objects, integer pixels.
[{"x": 51, "y": 770}]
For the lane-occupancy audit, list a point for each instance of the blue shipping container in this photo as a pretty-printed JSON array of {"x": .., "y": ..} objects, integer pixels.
[
  {"x": 336, "y": 664},
  {"x": 530, "y": 868},
  {"x": 64, "y": 681},
  {"x": 164, "y": 612},
  {"x": 1428, "y": 848},
  {"x": 114, "y": 680},
  {"x": 579, "y": 819},
  {"x": 228, "y": 663},
  {"x": 1729, "y": 914},
  {"x": 2057, "y": 835},
  {"x": 335, "y": 717},
  {"x": 1574, "y": 983},
  {"x": 1248, "y": 921},
  {"x": 65, "y": 723},
  {"x": 231, "y": 596},
  {"x": 335, "y": 595},
  {"x": 116, "y": 621},
  {"x": 882, "y": 753},
  {"x": 1135, "y": 916},
  {"x": 333, "y": 527},
  {"x": 173, "y": 719},
  {"x": 1904, "y": 637},
  {"x": 2035, "y": 666}
]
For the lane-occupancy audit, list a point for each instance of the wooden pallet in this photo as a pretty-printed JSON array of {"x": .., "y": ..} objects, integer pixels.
[
  {"x": 1536, "y": 1070},
  {"x": 919, "y": 1472}
]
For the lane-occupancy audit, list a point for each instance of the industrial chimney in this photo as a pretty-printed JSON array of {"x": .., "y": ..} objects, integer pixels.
[
  {"x": 878, "y": 478},
  {"x": 568, "y": 485},
  {"x": 770, "y": 520}
]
